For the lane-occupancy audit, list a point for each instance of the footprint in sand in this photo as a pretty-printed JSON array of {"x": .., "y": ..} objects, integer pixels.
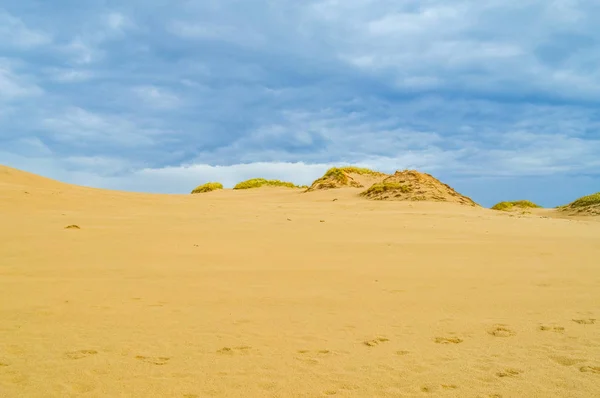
[
  {"x": 449, "y": 386},
  {"x": 590, "y": 369},
  {"x": 402, "y": 353},
  {"x": 312, "y": 357},
  {"x": 548, "y": 328},
  {"x": 320, "y": 352},
  {"x": 154, "y": 360},
  {"x": 509, "y": 372},
  {"x": 80, "y": 354},
  {"x": 434, "y": 388},
  {"x": 233, "y": 350},
  {"x": 566, "y": 361},
  {"x": 588, "y": 321},
  {"x": 448, "y": 340},
  {"x": 376, "y": 341},
  {"x": 500, "y": 330}
]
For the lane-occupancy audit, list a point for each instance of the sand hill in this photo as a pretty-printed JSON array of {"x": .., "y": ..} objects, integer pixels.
[
  {"x": 412, "y": 185},
  {"x": 587, "y": 205},
  {"x": 347, "y": 177},
  {"x": 248, "y": 294},
  {"x": 10, "y": 177}
]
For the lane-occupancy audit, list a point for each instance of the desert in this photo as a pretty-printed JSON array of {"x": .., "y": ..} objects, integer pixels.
[{"x": 278, "y": 291}]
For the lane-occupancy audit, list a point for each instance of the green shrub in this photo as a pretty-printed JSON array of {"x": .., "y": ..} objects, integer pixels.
[
  {"x": 593, "y": 199},
  {"x": 208, "y": 187},
  {"x": 261, "y": 182},
  {"x": 338, "y": 174},
  {"x": 386, "y": 187},
  {"x": 523, "y": 204}
]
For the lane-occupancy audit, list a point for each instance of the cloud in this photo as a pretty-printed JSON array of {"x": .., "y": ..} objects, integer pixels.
[
  {"x": 15, "y": 86},
  {"x": 82, "y": 52},
  {"x": 15, "y": 33},
  {"x": 79, "y": 127},
  {"x": 139, "y": 94},
  {"x": 117, "y": 21},
  {"x": 69, "y": 75},
  {"x": 156, "y": 97}
]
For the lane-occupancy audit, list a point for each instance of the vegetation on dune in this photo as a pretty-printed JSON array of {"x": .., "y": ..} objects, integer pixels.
[
  {"x": 386, "y": 187},
  {"x": 522, "y": 204},
  {"x": 340, "y": 175},
  {"x": 208, "y": 187},
  {"x": 261, "y": 182},
  {"x": 593, "y": 199},
  {"x": 351, "y": 170}
]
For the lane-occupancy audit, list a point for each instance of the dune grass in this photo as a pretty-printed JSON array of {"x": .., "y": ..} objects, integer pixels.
[
  {"x": 522, "y": 204},
  {"x": 339, "y": 174},
  {"x": 261, "y": 182},
  {"x": 589, "y": 200},
  {"x": 208, "y": 187},
  {"x": 382, "y": 187}
]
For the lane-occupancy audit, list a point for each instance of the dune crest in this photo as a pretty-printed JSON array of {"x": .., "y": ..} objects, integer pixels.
[
  {"x": 412, "y": 185},
  {"x": 347, "y": 177},
  {"x": 585, "y": 206}
]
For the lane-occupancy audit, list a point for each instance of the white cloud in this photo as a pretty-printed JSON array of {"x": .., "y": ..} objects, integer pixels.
[
  {"x": 156, "y": 97},
  {"x": 466, "y": 46},
  {"x": 117, "y": 21},
  {"x": 14, "y": 32},
  {"x": 68, "y": 75},
  {"x": 80, "y": 127},
  {"x": 13, "y": 86},
  {"x": 82, "y": 52},
  {"x": 238, "y": 34}
]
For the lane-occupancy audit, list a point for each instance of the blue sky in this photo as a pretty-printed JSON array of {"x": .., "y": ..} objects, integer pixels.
[{"x": 500, "y": 99}]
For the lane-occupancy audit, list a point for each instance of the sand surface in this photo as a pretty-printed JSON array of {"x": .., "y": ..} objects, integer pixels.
[{"x": 249, "y": 294}]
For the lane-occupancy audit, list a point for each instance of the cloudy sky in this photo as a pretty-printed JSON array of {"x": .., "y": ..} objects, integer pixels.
[{"x": 499, "y": 98}]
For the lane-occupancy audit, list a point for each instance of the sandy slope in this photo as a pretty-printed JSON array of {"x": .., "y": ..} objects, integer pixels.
[{"x": 221, "y": 295}]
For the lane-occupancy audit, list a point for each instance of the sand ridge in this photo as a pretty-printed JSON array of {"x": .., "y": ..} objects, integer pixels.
[
  {"x": 246, "y": 293},
  {"x": 412, "y": 185},
  {"x": 347, "y": 177}
]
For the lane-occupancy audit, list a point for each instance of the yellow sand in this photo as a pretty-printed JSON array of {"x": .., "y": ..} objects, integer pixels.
[{"x": 249, "y": 294}]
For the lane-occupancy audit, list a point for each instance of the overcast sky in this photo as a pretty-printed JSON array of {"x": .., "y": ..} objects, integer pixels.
[{"x": 498, "y": 98}]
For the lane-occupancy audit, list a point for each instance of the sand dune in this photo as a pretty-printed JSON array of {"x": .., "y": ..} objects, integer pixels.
[{"x": 274, "y": 292}]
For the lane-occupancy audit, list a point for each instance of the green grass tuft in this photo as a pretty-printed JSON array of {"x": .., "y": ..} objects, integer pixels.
[
  {"x": 593, "y": 199},
  {"x": 386, "y": 187},
  {"x": 261, "y": 182},
  {"x": 522, "y": 204},
  {"x": 208, "y": 187}
]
